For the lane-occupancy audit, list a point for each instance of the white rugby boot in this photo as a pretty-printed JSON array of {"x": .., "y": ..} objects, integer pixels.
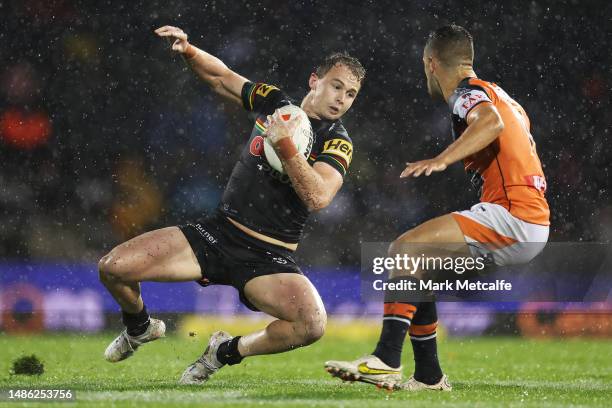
[
  {"x": 200, "y": 371},
  {"x": 125, "y": 345},
  {"x": 369, "y": 369},
  {"x": 414, "y": 385}
]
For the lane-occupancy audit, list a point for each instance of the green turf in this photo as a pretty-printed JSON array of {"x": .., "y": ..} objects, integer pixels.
[{"x": 485, "y": 372}]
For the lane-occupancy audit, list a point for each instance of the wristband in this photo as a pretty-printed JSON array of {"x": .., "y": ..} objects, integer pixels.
[
  {"x": 190, "y": 52},
  {"x": 286, "y": 148}
]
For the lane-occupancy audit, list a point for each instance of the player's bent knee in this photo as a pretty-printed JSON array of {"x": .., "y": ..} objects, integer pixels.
[
  {"x": 394, "y": 249},
  {"x": 401, "y": 245},
  {"x": 312, "y": 332},
  {"x": 112, "y": 268},
  {"x": 103, "y": 270},
  {"x": 314, "y": 327},
  {"x": 406, "y": 242}
]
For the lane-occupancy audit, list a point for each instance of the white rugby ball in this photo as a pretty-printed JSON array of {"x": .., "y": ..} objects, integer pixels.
[{"x": 302, "y": 138}]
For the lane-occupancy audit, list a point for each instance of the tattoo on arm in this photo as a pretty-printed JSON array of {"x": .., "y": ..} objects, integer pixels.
[{"x": 309, "y": 185}]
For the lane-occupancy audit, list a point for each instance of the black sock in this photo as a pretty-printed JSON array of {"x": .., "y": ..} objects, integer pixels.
[
  {"x": 396, "y": 321},
  {"x": 424, "y": 345},
  {"x": 426, "y": 365},
  {"x": 228, "y": 353},
  {"x": 400, "y": 307},
  {"x": 389, "y": 347},
  {"x": 136, "y": 323}
]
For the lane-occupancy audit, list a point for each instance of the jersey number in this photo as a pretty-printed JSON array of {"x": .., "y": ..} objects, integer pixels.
[{"x": 518, "y": 111}]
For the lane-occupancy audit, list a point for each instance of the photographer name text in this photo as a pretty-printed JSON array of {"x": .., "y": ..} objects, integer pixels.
[{"x": 448, "y": 285}]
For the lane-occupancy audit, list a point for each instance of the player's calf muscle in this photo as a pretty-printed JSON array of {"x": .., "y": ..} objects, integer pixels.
[{"x": 293, "y": 300}]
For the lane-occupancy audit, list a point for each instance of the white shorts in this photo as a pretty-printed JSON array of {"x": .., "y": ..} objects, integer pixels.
[{"x": 491, "y": 231}]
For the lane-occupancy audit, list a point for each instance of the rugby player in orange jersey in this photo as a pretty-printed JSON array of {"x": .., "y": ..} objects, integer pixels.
[{"x": 509, "y": 226}]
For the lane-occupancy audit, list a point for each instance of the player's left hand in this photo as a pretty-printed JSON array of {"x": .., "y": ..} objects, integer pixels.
[
  {"x": 279, "y": 128},
  {"x": 176, "y": 36},
  {"x": 423, "y": 167}
]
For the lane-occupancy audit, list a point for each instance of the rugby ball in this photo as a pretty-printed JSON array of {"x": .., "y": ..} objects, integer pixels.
[{"x": 302, "y": 137}]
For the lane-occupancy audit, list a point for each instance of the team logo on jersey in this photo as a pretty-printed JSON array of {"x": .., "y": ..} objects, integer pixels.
[{"x": 341, "y": 148}]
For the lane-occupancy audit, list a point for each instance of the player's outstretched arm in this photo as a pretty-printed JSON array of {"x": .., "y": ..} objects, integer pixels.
[
  {"x": 209, "y": 68},
  {"x": 484, "y": 126},
  {"x": 316, "y": 185}
]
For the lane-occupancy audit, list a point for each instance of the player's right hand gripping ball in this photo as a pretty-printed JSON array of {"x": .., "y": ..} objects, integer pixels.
[{"x": 303, "y": 136}]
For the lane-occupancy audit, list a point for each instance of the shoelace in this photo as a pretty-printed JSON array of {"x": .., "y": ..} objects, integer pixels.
[
  {"x": 210, "y": 367},
  {"x": 135, "y": 342},
  {"x": 126, "y": 340}
]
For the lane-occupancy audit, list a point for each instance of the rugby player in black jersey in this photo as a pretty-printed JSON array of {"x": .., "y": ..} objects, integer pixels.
[{"x": 248, "y": 242}]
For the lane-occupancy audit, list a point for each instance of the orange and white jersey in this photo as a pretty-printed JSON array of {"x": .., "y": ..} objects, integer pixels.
[{"x": 508, "y": 171}]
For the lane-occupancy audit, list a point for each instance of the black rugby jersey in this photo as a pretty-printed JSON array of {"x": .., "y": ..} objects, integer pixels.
[{"x": 262, "y": 198}]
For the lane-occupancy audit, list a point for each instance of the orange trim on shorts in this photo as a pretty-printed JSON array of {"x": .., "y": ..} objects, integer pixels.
[
  {"x": 481, "y": 233},
  {"x": 401, "y": 309},
  {"x": 423, "y": 329}
]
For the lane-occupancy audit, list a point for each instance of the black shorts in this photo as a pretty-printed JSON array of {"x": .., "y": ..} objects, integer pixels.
[{"x": 228, "y": 256}]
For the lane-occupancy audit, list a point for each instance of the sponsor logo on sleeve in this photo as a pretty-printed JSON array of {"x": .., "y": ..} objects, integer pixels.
[
  {"x": 264, "y": 89},
  {"x": 340, "y": 148},
  {"x": 467, "y": 100}
]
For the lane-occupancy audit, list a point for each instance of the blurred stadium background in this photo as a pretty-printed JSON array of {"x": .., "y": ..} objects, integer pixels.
[{"x": 104, "y": 134}]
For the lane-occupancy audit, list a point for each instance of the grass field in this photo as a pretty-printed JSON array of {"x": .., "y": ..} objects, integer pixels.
[{"x": 485, "y": 372}]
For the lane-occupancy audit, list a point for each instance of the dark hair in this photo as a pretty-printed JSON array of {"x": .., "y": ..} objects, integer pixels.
[
  {"x": 452, "y": 44},
  {"x": 345, "y": 59}
]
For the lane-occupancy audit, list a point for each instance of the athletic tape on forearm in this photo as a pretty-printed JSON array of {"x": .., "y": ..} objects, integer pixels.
[{"x": 286, "y": 149}]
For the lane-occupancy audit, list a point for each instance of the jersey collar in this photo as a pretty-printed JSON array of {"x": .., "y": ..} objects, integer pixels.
[{"x": 322, "y": 124}]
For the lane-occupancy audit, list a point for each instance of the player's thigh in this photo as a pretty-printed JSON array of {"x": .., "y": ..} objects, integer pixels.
[
  {"x": 286, "y": 296},
  {"x": 443, "y": 229},
  {"x": 439, "y": 237},
  {"x": 159, "y": 255}
]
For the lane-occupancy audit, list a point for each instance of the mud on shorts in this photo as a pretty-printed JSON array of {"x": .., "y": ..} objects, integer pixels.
[
  {"x": 492, "y": 232},
  {"x": 228, "y": 256}
]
